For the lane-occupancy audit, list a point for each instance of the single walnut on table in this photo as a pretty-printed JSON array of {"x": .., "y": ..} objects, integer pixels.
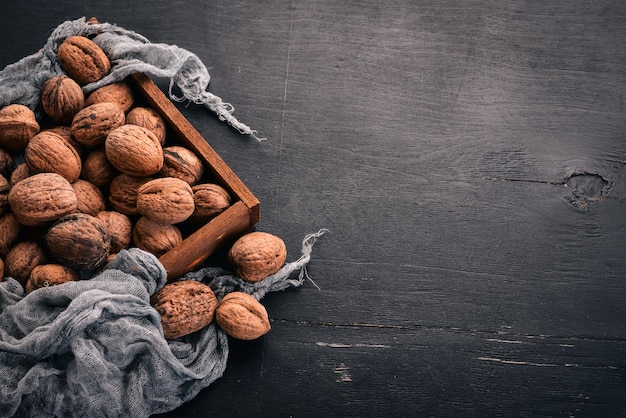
[
  {"x": 242, "y": 316},
  {"x": 256, "y": 255}
]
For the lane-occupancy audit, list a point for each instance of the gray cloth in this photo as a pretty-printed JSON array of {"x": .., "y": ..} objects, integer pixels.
[
  {"x": 128, "y": 52},
  {"x": 95, "y": 348}
]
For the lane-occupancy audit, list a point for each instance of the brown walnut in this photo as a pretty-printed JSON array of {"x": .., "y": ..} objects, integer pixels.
[
  {"x": 210, "y": 199},
  {"x": 182, "y": 163},
  {"x": 6, "y": 163},
  {"x": 242, "y": 316},
  {"x": 48, "y": 152},
  {"x": 123, "y": 193},
  {"x": 17, "y": 126},
  {"x": 5, "y": 186},
  {"x": 20, "y": 173},
  {"x": 45, "y": 275},
  {"x": 9, "y": 232},
  {"x": 118, "y": 93},
  {"x": 80, "y": 241},
  {"x": 90, "y": 199},
  {"x": 83, "y": 60},
  {"x": 155, "y": 237},
  {"x": 134, "y": 150},
  {"x": 256, "y": 255},
  {"x": 41, "y": 199},
  {"x": 165, "y": 200},
  {"x": 98, "y": 169},
  {"x": 149, "y": 119},
  {"x": 61, "y": 99},
  {"x": 92, "y": 124},
  {"x": 185, "y": 307},
  {"x": 119, "y": 227},
  {"x": 22, "y": 259}
]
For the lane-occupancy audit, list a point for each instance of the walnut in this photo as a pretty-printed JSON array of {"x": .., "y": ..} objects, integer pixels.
[
  {"x": 61, "y": 99},
  {"x": 185, "y": 307},
  {"x": 209, "y": 199},
  {"x": 42, "y": 198},
  {"x": 22, "y": 259},
  {"x": 80, "y": 241},
  {"x": 4, "y": 193},
  {"x": 66, "y": 133},
  {"x": 92, "y": 124},
  {"x": 98, "y": 169},
  {"x": 118, "y": 93},
  {"x": 90, "y": 199},
  {"x": 17, "y": 126},
  {"x": 9, "y": 232},
  {"x": 242, "y": 316},
  {"x": 82, "y": 59},
  {"x": 119, "y": 228},
  {"x": 134, "y": 150},
  {"x": 149, "y": 119},
  {"x": 256, "y": 255},
  {"x": 6, "y": 163},
  {"x": 48, "y": 152},
  {"x": 182, "y": 163},
  {"x": 123, "y": 193},
  {"x": 45, "y": 275},
  {"x": 156, "y": 237},
  {"x": 165, "y": 200},
  {"x": 20, "y": 173},
  {"x": 1, "y": 270}
]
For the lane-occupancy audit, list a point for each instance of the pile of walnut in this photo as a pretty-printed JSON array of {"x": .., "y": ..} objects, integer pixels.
[{"x": 98, "y": 176}]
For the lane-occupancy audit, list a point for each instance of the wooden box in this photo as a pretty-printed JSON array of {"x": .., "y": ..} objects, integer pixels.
[{"x": 240, "y": 217}]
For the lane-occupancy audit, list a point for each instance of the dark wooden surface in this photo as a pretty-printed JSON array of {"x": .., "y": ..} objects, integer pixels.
[{"x": 468, "y": 159}]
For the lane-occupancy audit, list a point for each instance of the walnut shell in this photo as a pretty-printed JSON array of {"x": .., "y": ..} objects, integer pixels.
[
  {"x": 123, "y": 193},
  {"x": 48, "y": 152},
  {"x": 90, "y": 199},
  {"x": 165, "y": 200},
  {"x": 242, "y": 316},
  {"x": 92, "y": 124},
  {"x": 9, "y": 232},
  {"x": 6, "y": 163},
  {"x": 22, "y": 259},
  {"x": 149, "y": 119},
  {"x": 209, "y": 200},
  {"x": 80, "y": 241},
  {"x": 118, "y": 93},
  {"x": 182, "y": 163},
  {"x": 256, "y": 255},
  {"x": 45, "y": 275},
  {"x": 185, "y": 307},
  {"x": 66, "y": 133},
  {"x": 82, "y": 59},
  {"x": 98, "y": 169},
  {"x": 119, "y": 228},
  {"x": 42, "y": 198},
  {"x": 20, "y": 173},
  {"x": 155, "y": 237},
  {"x": 5, "y": 186},
  {"x": 1, "y": 270},
  {"x": 61, "y": 99},
  {"x": 17, "y": 126},
  {"x": 134, "y": 150}
]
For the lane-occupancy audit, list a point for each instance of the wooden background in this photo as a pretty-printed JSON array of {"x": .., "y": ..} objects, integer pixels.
[{"x": 468, "y": 158}]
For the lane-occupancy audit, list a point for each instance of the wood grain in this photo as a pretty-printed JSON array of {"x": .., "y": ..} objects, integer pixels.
[{"x": 468, "y": 159}]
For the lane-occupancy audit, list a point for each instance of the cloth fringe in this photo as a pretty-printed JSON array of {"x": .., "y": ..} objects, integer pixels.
[{"x": 128, "y": 52}]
